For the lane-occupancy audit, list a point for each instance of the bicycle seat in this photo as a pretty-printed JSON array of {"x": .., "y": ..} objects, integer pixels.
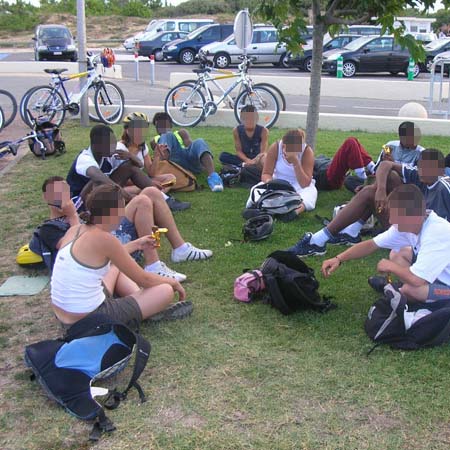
[
  {"x": 55, "y": 71},
  {"x": 204, "y": 70}
]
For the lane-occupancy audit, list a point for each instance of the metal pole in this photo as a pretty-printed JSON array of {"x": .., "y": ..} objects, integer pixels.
[
  {"x": 152, "y": 69},
  {"x": 82, "y": 62}
]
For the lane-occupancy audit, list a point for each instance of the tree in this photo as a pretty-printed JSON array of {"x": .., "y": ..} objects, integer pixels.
[
  {"x": 442, "y": 18},
  {"x": 329, "y": 16}
]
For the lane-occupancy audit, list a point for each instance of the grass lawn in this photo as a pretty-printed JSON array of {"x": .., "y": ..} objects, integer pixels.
[{"x": 233, "y": 376}]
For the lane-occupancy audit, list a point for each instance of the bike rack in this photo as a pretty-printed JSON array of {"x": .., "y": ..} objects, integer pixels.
[{"x": 438, "y": 78}]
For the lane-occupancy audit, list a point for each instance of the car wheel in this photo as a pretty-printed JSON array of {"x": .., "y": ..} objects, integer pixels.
[
  {"x": 416, "y": 70},
  {"x": 348, "y": 69},
  {"x": 393, "y": 73},
  {"x": 187, "y": 56},
  {"x": 308, "y": 64},
  {"x": 222, "y": 60},
  {"x": 284, "y": 61},
  {"x": 158, "y": 54}
]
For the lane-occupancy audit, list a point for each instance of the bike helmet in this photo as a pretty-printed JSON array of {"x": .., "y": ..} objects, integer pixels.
[
  {"x": 135, "y": 116},
  {"x": 26, "y": 257},
  {"x": 258, "y": 228}
]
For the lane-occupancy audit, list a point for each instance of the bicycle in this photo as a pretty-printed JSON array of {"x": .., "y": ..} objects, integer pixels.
[
  {"x": 54, "y": 100},
  {"x": 230, "y": 101},
  {"x": 189, "y": 104},
  {"x": 8, "y": 108}
]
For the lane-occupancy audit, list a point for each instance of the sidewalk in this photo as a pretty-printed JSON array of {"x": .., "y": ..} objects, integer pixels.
[{"x": 14, "y": 131}]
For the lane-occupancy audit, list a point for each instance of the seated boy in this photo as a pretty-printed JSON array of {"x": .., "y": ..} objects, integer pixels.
[
  {"x": 177, "y": 146},
  {"x": 419, "y": 256},
  {"x": 250, "y": 141},
  {"x": 344, "y": 229}
]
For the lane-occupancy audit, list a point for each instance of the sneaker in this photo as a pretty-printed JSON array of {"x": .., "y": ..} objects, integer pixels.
[
  {"x": 377, "y": 283},
  {"x": 179, "y": 310},
  {"x": 215, "y": 182},
  {"x": 344, "y": 239},
  {"x": 176, "y": 205},
  {"x": 190, "y": 254},
  {"x": 304, "y": 247},
  {"x": 167, "y": 272}
]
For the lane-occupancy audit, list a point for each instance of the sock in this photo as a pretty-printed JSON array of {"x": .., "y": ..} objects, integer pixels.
[
  {"x": 371, "y": 167},
  {"x": 181, "y": 249},
  {"x": 354, "y": 228},
  {"x": 154, "y": 267},
  {"x": 321, "y": 237},
  {"x": 361, "y": 173}
]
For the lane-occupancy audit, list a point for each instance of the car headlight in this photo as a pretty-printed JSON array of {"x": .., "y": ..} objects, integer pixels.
[
  {"x": 71, "y": 48},
  {"x": 42, "y": 47},
  {"x": 333, "y": 57},
  {"x": 171, "y": 47}
]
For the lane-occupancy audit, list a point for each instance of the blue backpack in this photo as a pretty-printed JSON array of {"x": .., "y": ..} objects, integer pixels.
[{"x": 93, "y": 367}]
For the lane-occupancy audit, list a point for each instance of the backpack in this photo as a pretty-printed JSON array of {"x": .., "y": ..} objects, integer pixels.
[
  {"x": 248, "y": 285},
  {"x": 186, "y": 180},
  {"x": 407, "y": 326},
  {"x": 38, "y": 246},
  {"x": 291, "y": 284},
  {"x": 48, "y": 141},
  {"x": 108, "y": 58},
  {"x": 99, "y": 359}
]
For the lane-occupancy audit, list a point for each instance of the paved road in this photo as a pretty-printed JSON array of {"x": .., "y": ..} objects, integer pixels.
[{"x": 142, "y": 93}]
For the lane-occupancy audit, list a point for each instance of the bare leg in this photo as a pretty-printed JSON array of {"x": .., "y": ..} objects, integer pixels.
[
  {"x": 153, "y": 300},
  {"x": 163, "y": 216},
  {"x": 119, "y": 284},
  {"x": 128, "y": 171},
  {"x": 208, "y": 163}
]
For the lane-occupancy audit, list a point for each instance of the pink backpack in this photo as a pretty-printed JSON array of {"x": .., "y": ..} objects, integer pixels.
[{"x": 247, "y": 285}]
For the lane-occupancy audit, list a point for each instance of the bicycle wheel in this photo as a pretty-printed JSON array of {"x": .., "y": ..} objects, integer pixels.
[
  {"x": 278, "y": 94},
  {"x": 2, "y": 119},
  {"x": 185, "y": 105},
  {"x": 44, "y": 102},
  {"x": 9, "y": 107},
  {"x": 91, "y": 104},
  {"x": 263, "y": 100},
  {"x": 192, "y": 83},
  {"x": 109, "y": 102}
]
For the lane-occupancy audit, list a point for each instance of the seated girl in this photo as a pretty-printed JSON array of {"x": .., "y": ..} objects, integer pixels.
[{"x": 292, "y": 160}]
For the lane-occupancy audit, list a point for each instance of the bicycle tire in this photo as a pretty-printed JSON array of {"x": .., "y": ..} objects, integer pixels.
[
  {"x": 91, "y": 104},
  {"x": 48, "y": 103},
  {"x": 104, "y": 99},
  {"x": 192, "y": 95},
  {"x": 268, "y": 115},
  {"x": 280, "y": 96},
  {"x": 22, "y": 102},
  {"x": 9, "y": 111},
  {"x": 2, "y": 118},
  {"x": 193, "y": 82}
]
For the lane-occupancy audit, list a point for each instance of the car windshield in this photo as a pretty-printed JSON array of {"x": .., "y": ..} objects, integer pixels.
[
  {"x": 54, "y": 33},
  {"x": 437, "y": 44},
  {"x": 357, "y": 43},
  {"x": 195, "y": 33}
]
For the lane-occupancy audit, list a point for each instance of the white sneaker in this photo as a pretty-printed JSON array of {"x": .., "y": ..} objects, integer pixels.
[
  {"x": 190, "y": 254},
  {"x": 167, "y": 272}
]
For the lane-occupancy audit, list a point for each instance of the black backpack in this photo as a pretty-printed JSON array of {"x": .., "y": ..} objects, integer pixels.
[
  {"x": 385, "y": 323},
  {"x": 96, "y": 352},
  {"x": 291, "y": 284}
]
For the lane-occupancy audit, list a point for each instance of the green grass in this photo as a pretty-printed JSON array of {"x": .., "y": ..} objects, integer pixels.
[{"x": 233, "y": 376}]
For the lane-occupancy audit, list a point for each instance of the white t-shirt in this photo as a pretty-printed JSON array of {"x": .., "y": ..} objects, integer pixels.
[
  {"x": 141, "y": 154},
  {"x": 86, "y": 159},
  {"x": 431, "y": 246}
]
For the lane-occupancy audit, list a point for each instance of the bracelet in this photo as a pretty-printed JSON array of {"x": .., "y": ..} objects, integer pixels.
[{"x": 339, "y": 259}]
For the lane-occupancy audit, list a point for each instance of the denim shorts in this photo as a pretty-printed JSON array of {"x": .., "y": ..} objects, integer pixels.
[
  {"x": 126, "y": 232},
  {"x": 438, "y": 291}
]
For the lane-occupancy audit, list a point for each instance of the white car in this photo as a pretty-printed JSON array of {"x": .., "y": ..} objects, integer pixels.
[
  {"x": 264, "y": 49},
  {"x": 129, "y": 43}
]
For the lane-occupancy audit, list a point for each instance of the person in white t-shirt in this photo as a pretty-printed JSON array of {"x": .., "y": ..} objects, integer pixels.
[{"x": 420, "y": 249}]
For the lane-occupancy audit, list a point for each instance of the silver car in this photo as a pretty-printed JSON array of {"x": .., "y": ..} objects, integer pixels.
[{"x": 264, "y": 49}]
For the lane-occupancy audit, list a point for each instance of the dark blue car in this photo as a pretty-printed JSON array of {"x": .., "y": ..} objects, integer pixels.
[
  {"x": 154, "y": 45},
  {"x": 185, "y": 50}
]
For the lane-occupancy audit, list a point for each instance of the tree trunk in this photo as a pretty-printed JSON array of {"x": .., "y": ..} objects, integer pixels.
[{"x": 312, "y": 119}]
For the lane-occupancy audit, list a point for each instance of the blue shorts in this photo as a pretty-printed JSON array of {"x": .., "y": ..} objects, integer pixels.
[
  {"x": 438, "y": 291},
  {"x": 126, "y": 232}
]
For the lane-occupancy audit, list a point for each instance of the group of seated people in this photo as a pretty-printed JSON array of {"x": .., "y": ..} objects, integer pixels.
[{"x": 115, "y": 194}]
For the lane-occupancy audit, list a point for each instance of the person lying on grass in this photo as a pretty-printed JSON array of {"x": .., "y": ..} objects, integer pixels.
[
  {"x": 140, "y": 215},
  {"x": 292, "y": 160},
  {"x": 345, "y": 228},
  {"x": 132, "y": 146},
  {"x": 82, "y": 280},
  {"x": 178, "y": 147},
  {"x": 420, "y": 251}
]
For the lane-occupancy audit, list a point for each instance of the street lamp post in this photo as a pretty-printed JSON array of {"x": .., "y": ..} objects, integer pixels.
[{"x": 82, "y": 59}]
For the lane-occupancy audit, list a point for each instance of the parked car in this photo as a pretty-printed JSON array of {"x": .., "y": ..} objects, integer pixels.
[
  {"x": 154, "y": 45},
  {"x": 303, "y": 60},
  {"x": 425, "y": 38},
  {"x": 187, "y": 25},
  {"x": 185, "y": 50},
  {"x": 263, "y": 49},
  {"x": 433, "y": 49},
  {"x": 363, "y": 30},
  {"x": 445, "y": 60},
  {"x": 130, "y": 43},
  {"x": 54, "y": 42},
  {"x": 369, "y": 54}
]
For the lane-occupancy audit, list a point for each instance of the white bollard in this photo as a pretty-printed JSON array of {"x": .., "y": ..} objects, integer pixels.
[
  {"x": 136, "y": 65},
  {"x": 152, "y": 69}
]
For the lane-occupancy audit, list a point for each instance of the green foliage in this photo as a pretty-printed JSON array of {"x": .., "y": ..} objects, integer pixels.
[
  {"x": 442, "y": 18},
  {"x": 136, "y": 8},
  {"x": 209, "y": 7},
  {"x": 19, "y": 16}
]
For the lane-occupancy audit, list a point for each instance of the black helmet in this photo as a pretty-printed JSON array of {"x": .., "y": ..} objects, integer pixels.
[
  {"x": 258, "y": 228},
  {"x": 230, "y": 175}
]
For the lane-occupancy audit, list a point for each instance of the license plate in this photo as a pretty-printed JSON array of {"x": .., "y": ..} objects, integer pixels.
[{"x": 57, "y": 53}]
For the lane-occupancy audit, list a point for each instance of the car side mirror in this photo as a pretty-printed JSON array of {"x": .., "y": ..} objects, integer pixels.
[
  {"x": 200, "y": 38},
  {"x": 34, "y": 38},
  {"x": 328, "y": 47},
  {"x": 366, "y": 50}
]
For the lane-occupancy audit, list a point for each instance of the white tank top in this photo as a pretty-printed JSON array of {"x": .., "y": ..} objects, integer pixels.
[
  {"x": 284, "y": 170},
  {"x": 76, "y": 288}
]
